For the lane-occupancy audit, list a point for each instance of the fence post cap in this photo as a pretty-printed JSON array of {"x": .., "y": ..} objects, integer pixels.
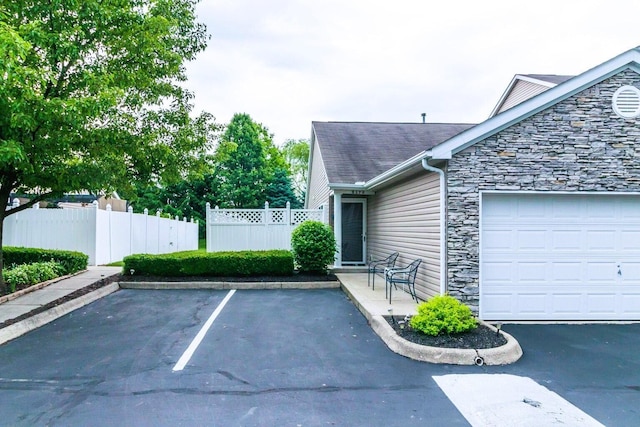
[
  {"x": 95, "y": 204},
  {"x": 146, "y": 211},
  {"x": 288, "y": 205},
  {"x": 130, "y": 209},
  {"x": 266, "y": 205},
  {"x": 208, "y": 205},
  {"x": 158, "y": 212},
  {"x": 108, "y": 206}
]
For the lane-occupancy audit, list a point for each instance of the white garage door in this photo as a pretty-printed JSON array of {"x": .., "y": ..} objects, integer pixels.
[{"x": 560, "y": 257}]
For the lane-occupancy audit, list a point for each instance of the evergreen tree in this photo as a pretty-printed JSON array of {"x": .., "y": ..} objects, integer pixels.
[{"x": 280, "y": 191}]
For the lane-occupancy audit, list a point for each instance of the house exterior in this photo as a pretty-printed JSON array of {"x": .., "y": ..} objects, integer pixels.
[{"x": 533, "y": 214}]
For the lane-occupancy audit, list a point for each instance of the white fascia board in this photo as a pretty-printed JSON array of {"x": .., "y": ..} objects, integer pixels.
[
  {"x": 629, "y": 59},
  {"x": 312, "y": 143},
  {"x": 359, "y": 189},
  {"x": 535, "y": 81}
]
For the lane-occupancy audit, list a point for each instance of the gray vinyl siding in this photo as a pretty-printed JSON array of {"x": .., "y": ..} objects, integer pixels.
[
  {"x": 406, "y": 218},
  {"x": 521, "y": 91},
  {"x": 318, "y": 182}
]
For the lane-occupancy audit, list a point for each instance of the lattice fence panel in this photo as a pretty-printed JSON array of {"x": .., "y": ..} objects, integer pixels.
[{"x": 299, "y": 216}]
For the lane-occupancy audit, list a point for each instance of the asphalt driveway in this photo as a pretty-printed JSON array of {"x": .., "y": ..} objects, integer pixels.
[{"x": 285, "y": 357}]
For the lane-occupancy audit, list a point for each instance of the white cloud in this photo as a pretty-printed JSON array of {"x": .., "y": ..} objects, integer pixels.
[{"x": 289, "y": 62}]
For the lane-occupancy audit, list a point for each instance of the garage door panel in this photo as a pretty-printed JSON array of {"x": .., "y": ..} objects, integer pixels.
[
  {"x": 563, "y": 272},
  {"x": 498, "y": 272},
  {"x": 630, "y": 272},
  {"x": 566, "y": 303},
  {"x": 532, "y": 303},
  {"x": 499, "y": 305},
  {"x": 630, "y": 303},
  {"x": 531, "y": 240},
  {"x": 500, "y": 240},
  {"x": 630, "y": 240},
  {"x": 601, "y": 303},
  {"x": 533, "y": 271},
  {"x": 560, "y": 257},
  {"x": 567, "y": 240},
  {"x": 601, "y": 240}
]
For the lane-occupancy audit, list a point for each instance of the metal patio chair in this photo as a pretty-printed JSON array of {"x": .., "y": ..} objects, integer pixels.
[
  {"x": 402, "y": 276},
  {"x": 379, "y": 266}
]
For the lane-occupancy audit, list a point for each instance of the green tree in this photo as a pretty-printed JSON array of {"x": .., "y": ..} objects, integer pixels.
[
  {"x": 296, "y": 154},
  {"x": 241, "y": 163},
  {"x": 280, "y": 191},
  {"x": 90, "y": 97}
]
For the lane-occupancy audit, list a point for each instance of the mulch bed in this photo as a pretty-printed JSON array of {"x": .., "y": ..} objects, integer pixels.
[{"x": 481, "y": 337}]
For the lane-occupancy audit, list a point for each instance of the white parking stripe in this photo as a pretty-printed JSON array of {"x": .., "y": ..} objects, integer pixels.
[
  {"x": 186, "y": 356},
  {"x": 501, "y": 400}
]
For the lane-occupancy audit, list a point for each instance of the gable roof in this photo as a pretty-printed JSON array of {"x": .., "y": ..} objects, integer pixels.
[
  {"x": 525, "y": 86},
  {"x": 627, "y": 60},
  {"x": 355, "y": 152}
]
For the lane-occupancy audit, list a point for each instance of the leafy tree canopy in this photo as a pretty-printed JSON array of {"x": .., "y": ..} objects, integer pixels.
[
  {"x": 90, "y": 96},
  {"x": 296, "y": 154},
  {"x": 246, "y": 161}
]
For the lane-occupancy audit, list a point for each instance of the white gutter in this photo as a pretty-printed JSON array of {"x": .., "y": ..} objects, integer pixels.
[
  {"x": 443, "y": 227},
  {"x": 385, "y": 176}
]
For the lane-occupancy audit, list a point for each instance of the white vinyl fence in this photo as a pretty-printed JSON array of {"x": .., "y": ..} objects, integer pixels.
[
  {"x": 104, "y": 235},
  {"x": 255, "y": 229}
]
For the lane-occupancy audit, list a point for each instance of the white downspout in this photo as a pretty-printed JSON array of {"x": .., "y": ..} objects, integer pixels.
[{"x": 443, "y": 225}]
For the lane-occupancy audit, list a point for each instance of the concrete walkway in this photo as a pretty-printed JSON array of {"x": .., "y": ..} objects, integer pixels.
[
  {"x": 374, "y": 302},
  {"x": 25, "y": 301},
  {"x": 30, "y": 301}
]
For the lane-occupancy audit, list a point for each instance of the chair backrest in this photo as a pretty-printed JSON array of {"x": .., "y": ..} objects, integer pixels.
[
  {"x": 413, "y": 270},
  {"x": 391, "y": 259}
]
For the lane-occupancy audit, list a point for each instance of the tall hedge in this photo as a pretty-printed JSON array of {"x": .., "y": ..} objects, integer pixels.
[{"x": 198, "y": 263}]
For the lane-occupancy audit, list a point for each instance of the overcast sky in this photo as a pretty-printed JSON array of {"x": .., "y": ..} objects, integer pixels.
[{"x": 289, "y": 62}]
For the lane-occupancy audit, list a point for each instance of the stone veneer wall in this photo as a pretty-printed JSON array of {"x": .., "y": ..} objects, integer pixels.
[{"x": 579, "y": 144}]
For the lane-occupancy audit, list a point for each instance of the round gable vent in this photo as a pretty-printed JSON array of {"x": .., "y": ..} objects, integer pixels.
[{"x": 626, "y": 102}]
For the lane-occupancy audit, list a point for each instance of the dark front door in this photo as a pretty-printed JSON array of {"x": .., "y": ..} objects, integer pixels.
[{"x": 353, "y": 232}]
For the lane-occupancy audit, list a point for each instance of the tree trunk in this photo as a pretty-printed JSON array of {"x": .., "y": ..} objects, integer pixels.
[{"x": 3, "y": 286}]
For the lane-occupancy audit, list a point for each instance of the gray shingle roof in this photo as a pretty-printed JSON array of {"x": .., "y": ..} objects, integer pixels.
[{"x": 359, "y": 151}]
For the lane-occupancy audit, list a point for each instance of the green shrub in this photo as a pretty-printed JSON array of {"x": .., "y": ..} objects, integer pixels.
[
  {"x": 21, "y": 276},
  {"x": 442, "y": 315},
  {"x": 71, "y": 261},
  {"x": 313, "y": 246},
  {"x": 199, "y": 263}
]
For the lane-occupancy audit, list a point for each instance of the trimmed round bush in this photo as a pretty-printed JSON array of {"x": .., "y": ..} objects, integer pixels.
[
  {"x": 443, "y": 315},
  {"x": 313, "y": 246}
]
